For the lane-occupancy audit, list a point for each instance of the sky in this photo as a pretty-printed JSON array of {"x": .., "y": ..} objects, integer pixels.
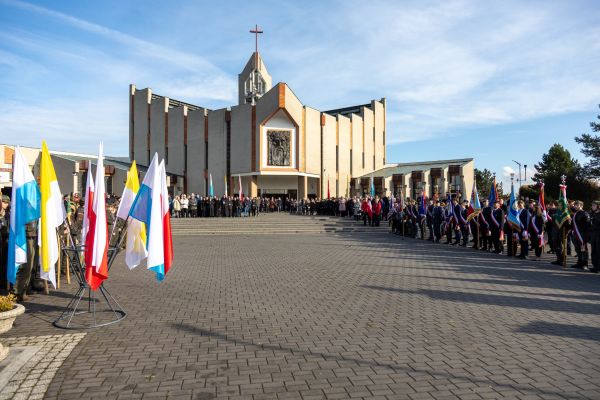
[{"x": 496, "y": 81}]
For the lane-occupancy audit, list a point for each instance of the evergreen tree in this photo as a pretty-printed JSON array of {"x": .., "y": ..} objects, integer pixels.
[
  {"x": 483, "y": 180},
  {"x": 591, "y": 149}
]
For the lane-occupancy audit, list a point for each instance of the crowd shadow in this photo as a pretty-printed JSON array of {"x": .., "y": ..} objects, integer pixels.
[
  {"x": 531, "y": 303},
  {"x": 497, "y": 269},
  {"x": 562, "y": 330}
]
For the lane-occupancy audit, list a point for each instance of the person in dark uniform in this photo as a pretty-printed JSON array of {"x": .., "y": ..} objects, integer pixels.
[
  {"x": 536, "y": 231},
  {"x": 484, "y": 220},
  {"x": 438, "y": 219},
  {"x": 429, "y": 219},
  {"x": 581, "y": 224},
  {"x": 4, "y": 232},
  {"x": 496, "y": 220},
  {"x": 595, "y": 236},
  {"x": 525, "y": 220},
  {"x": 464, "y": 224},
  {"x": 24, "y": 273},
  {"x": 455, "y": 222}
]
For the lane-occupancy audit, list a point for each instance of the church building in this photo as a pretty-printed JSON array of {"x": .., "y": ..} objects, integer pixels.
[
  {"x": 274, "y": 143},
  {"x": 276, "y": 146}
]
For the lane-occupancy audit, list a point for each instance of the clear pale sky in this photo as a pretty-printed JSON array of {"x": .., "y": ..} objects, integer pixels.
[{"x": 497, "y": 81}]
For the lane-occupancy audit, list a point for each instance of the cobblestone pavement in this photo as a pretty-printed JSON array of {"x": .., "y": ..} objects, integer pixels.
[{"x": 365, "y": 315}]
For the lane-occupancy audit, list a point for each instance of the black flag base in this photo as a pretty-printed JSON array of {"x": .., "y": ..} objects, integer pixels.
[{"x": 89, "y": 309}]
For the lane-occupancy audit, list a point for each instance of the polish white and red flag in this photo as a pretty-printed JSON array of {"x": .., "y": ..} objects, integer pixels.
[{"x": 96, "y": 243}]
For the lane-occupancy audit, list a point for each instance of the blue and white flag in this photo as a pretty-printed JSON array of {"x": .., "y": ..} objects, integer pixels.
[
  {"x": 24, "y": 208},
  {"x": 513, "y": 210}
]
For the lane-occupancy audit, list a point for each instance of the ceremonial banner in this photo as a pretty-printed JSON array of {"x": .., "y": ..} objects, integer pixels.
[
  {"x": 88, "y": 202},
  {"x": 24, "y": 208},
  {"x": 96, "y": 244},
  {"x": 513, "y": 211},
  {"x": 211, "y": 191},
  {"x": 135, "y": 248},
  {"x": 474, "y": 204},
  {"x": 562, "y": 214},
  {"x": 52, "y": 215},
  {"x": 493, "y": 193},
  {"x": 151, "y": 207},
  {"x": 542, "y": 202}
]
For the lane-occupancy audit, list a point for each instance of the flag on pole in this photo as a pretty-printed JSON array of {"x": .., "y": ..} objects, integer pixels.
[
  {"x": 96, "y": 244},
  {"x": 474, "y": 204},
  {"x": 372, "y": 182},
  {"x": 52, "y": 215},
  {"x": 211, "y": 191},
  {"x": 562, "y": 213},
  {"x": 513, "y": 211},
  {"x": 89, "y": 200},
  {"x": 542, "y": 202},
  {"x": 240, "y": 191},
  {"x": 151, "y": 207},
  {"x": 225, "y": 193},
  {"x": 24, "y": 208},
  {"x": 493, "y": 192},
  {"x": 135, "y": 248}
]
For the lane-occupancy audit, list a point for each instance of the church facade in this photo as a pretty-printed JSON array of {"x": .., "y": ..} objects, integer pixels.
[
  {"x": 274, "y": 143},
  {"x": 278, "y": 146}
]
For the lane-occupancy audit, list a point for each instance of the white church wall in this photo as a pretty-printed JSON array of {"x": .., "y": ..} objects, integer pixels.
[
  {"x": 329, "y": 143},
  {"x": 344, "y": 136},
  {"x": 312, "y": 151}
]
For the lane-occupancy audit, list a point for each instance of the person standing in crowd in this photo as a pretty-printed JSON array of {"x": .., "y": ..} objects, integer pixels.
[
  {"x": 176, "y": 207},
  {"x": 581, "y": 222},
  {"x": 4, "y": 232},
  {"x": 549, "y": 225},
  {"x": 25, "y": 270},
  {"x": 464, "y": 224},
  {"x": 524, "y": 219},
  {"x": 484, "y": 226},
  {"x": 438, "y": 220},
  {"x": 536, "y": 231},
  {"x": 183, "y": 200},
  {"x": 595, "y": 236},
  {"x": 366, "y": 211},
  {"x": 496, "y": 220},
  {"x": 429, "y": 219},
  {"x": 376, "y": 211},
  {"x": 455, "y": 222}
]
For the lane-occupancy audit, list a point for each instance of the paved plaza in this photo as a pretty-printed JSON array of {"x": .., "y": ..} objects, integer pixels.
[{"x": 333, "y": 315}]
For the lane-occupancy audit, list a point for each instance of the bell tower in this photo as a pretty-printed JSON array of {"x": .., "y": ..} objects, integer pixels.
[{"x": 254, "y": 80}]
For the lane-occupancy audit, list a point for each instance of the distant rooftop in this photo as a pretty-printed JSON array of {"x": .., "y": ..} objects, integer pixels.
[{"x": 347, "y": 110}]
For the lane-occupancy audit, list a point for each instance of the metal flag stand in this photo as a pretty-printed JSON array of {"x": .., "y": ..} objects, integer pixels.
[{"x": 76, "y": 315}]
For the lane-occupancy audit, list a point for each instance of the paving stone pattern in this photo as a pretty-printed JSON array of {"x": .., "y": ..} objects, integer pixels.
[
  {"x": 336, "y": 316},
  {"x": 33, "y": 378}
]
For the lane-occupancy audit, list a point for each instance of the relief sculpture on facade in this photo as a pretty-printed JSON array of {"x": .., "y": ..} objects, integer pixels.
[{"x": 278, "y": 148}]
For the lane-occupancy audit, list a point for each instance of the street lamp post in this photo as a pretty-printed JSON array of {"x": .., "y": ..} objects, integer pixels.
[
  {"x": 525, "y": 173},
  {"x": 519, "y": 164}
]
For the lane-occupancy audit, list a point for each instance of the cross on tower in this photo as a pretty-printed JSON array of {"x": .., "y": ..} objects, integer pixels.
[{"x": 256, "y": 32}]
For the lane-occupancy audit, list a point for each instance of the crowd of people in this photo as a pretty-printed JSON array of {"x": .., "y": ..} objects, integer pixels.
[
  {"x": 537, "y": 231},
  {"x": 441, "y": 221}
]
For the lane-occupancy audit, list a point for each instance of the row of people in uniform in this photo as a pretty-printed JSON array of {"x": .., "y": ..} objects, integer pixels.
[{"x": 490, "y": 230}]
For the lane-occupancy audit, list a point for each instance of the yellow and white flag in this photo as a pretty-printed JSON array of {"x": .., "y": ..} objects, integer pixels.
[
  {"x": 51, "y": 217},
  {"x": 135, "y": 249}
]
